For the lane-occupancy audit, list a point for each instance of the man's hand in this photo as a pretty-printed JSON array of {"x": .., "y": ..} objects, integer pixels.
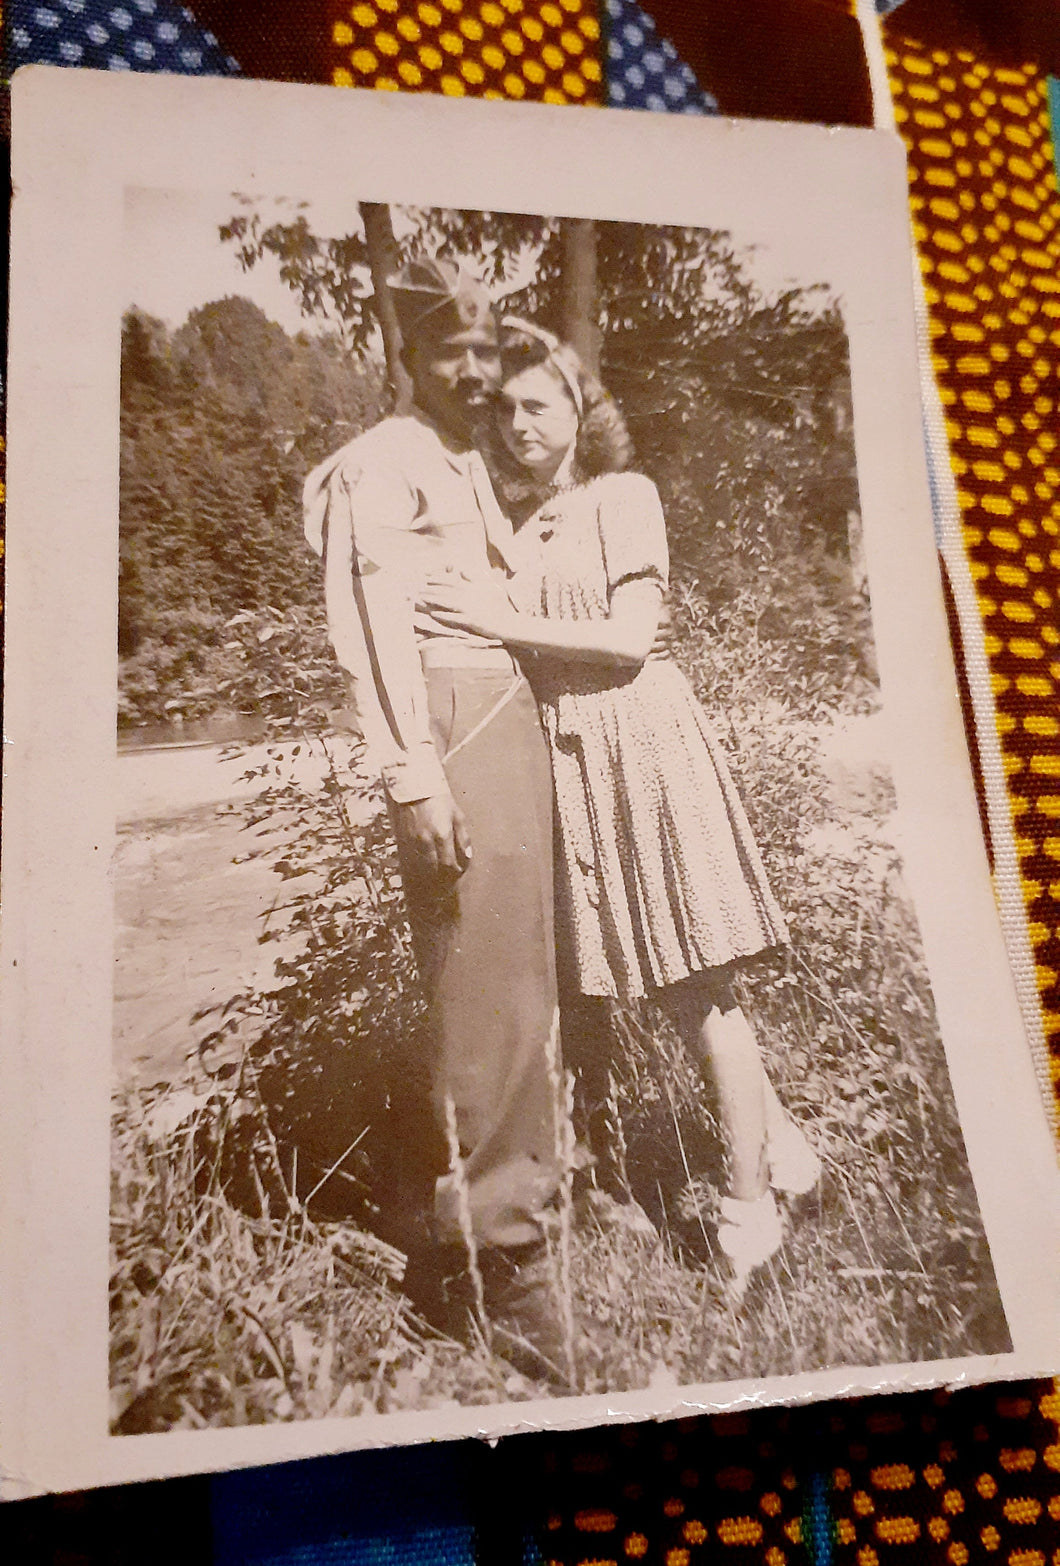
[{"x": 434, "y": 833}]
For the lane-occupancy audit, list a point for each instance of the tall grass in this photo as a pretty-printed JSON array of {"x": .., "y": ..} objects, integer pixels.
[{"x": 261, "y": 1207}]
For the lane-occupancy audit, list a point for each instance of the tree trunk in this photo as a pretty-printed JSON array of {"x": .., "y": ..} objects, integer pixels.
[
  {"x": 384, "y": 260},
  {"x": 578, "y": 318}
]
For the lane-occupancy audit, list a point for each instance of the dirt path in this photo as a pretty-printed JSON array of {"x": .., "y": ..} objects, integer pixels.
[{"x": 190, "y": 904}]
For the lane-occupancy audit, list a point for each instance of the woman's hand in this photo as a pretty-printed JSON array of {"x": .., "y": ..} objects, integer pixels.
[
  {"x": 483, "y": 608},
  {"x": 665, "y": 634}
]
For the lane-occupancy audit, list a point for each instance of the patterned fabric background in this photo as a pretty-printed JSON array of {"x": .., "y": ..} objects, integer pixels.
[
  {"x": 645, "y": 71},
  {"x": 144, "y": 35},
  {"x": 925, "y": 1478},
  {"x": 498, "y": 49},
  {"x": 986, "y": 218}
]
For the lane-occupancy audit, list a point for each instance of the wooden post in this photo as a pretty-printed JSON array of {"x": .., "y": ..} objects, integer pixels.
[
  {"x": 578, "y": 323},
  {"x": 383, "y": 261}
]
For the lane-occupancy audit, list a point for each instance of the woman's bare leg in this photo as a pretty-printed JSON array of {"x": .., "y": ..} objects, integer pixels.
[
  {"x": 726, "y": 1049},
  {"x": 794, "y": 1165},
  {"x": 749, "y": 1228}
]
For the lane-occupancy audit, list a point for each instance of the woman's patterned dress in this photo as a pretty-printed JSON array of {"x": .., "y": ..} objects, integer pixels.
[{"x": 658, "y": 876}]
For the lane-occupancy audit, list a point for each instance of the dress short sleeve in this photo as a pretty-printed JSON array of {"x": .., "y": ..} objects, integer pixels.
[{"x": 632, "y": 531}]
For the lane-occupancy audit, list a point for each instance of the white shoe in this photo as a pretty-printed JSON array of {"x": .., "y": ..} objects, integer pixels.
[
  {"x": 749, "y": 1232},
  {"x": 794, "y": 1167}
]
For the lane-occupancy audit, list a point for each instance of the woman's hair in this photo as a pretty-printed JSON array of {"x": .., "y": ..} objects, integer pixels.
[{"x": 602, "y": 444}]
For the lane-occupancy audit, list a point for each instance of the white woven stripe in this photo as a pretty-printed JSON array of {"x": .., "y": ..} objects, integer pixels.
[{"x": 1008, "y": 887}]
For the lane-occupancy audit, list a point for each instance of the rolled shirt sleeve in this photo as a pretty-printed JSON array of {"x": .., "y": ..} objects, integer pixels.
[{"x": 370, "y": 589}]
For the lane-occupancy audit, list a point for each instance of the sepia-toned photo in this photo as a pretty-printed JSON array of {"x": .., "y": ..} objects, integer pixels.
[
  {"x": 517, "y": 991},
  {"x": 497, "y": 933}
]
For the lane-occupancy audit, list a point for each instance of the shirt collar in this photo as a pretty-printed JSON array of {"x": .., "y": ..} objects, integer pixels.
[{"x": 456, "y": 450}]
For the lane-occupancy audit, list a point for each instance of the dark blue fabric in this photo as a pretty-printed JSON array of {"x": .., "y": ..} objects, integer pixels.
[
  {"x": 130, "y": 35},
  {"x": 365, "y": 1509},
  {"x": 645, "y": 71}
]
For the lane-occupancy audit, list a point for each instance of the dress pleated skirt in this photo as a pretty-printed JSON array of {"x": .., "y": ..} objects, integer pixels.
[{"x": 658, "y": 874}]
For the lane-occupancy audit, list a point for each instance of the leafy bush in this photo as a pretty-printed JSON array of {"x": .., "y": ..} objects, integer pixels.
[
  {"x": 223, "y": 1317},
  {"x": 335, "y": 1046},
  {"x": 267, "y": 664}
]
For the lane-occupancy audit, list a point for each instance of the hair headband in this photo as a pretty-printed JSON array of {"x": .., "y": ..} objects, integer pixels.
[{"x": 559, "y": 356}]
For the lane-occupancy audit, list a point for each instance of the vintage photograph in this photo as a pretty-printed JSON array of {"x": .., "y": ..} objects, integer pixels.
[{"x": 517, "y": 991}]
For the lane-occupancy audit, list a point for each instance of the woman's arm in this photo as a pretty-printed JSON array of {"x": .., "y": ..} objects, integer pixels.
[{"x": 625, "y": 637}]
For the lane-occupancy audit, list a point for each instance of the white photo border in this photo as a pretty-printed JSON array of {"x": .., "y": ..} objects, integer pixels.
[{"x": 80, "y": 139}]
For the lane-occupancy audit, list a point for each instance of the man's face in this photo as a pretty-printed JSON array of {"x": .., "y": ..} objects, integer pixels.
[{"x": 454, "y": 377}]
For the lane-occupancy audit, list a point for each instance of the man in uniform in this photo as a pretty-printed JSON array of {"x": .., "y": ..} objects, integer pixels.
[{"x": 453, "y": 728}]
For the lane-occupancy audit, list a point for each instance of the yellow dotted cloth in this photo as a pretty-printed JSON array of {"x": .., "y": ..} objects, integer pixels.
[
  {"x": 676, "y": 1495},
  {"x": 930, "y": 1478},
  {"x": 986, "y": 214},
  {"x": 481, "y": 48},
  {"x": 952, "y": 1480}
]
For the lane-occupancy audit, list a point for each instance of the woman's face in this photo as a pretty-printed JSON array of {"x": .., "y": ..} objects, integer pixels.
[{"x": 538, "y": 419}]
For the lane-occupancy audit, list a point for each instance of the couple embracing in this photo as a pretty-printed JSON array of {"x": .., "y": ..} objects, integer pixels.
[{"x": 494, "y": 577}]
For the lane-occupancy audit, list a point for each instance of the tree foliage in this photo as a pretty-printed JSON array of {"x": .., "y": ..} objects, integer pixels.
[
  {"x": 332, "y": 277},
  {"x": 738, "y": 405},
  {"x": 220, "y": 421}
]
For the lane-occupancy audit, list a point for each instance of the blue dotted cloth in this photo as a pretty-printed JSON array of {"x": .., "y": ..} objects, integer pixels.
[
  {"x": 645, "y": 71},
  {"x": 141, "y": 35}
]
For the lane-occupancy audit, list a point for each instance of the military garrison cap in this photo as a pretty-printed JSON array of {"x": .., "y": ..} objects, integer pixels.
[{"x": 438, "y": 299}]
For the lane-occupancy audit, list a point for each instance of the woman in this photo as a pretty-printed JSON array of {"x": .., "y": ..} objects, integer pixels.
[{"x": 660, "y": 888}]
